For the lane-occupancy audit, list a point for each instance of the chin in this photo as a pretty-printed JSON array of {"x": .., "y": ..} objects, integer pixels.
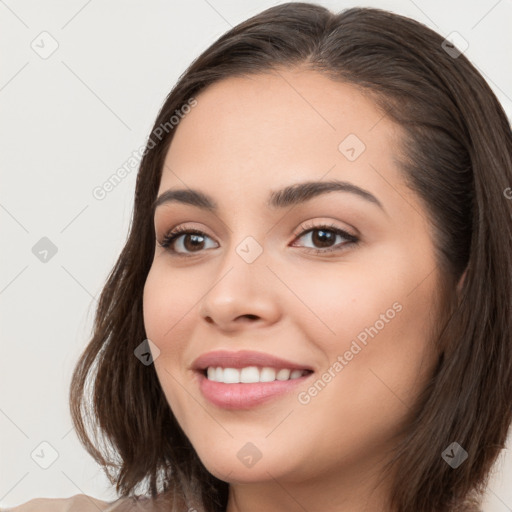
[
  {"x": 233, "y": 473},
  {"x": 244, "y": 464}
]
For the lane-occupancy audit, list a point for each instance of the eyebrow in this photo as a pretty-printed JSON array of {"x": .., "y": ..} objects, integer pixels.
[{"x": 288, "y": 196}]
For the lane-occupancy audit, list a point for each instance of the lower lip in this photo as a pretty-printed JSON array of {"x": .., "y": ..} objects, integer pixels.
[{"x": 245, "y": 396}]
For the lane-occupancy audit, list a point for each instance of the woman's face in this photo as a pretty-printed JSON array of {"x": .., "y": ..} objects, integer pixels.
[{"x": 269, "y": 273}]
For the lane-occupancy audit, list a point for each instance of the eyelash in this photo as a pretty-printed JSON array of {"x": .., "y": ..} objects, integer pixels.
[{"x": 172, "y": 236}]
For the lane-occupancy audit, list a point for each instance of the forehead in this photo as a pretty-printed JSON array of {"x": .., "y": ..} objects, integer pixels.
[{"x": 274, "y": 128}]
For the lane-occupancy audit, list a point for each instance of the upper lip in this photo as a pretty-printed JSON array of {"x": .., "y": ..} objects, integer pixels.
[{"x": 243, "y": 358}]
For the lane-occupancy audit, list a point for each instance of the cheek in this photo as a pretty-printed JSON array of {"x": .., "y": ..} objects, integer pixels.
[
  {"x": 377, "y": 360},
  {"x": 337, "y": 303},
  {"x": 165, "y": 308},
  {"x": 168, "y": 298},
  {"x": 378, "y": 320}
]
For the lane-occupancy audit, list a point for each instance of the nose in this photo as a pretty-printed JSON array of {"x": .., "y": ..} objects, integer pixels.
[{"x": 242, "y": 293}]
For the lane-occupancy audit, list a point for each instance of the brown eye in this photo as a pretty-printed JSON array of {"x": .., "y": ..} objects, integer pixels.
[
  {"x": 324, "y": 238},
  {"x": 183, "y": 241}
]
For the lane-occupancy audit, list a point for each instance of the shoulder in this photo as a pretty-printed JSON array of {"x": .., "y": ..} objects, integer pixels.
[{"x": 78, "y": 502}]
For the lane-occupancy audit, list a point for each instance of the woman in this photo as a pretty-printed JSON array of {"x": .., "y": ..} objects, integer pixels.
[{"x": 340, "y": 341}]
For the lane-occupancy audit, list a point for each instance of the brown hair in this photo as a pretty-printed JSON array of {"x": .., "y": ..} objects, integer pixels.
[{"x": 456, "y": 155}]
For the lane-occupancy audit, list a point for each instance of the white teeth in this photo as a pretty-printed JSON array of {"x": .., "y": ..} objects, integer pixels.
[
  {"x": 283, "y": 374},
  {"x": 231, "y": 375},
  {"x": 251, "y": 374},
  {"x": 267, "y": 374},
  {"x": 296, "y": 374}
]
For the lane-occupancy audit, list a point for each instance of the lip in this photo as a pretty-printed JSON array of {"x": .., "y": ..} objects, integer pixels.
[
  {"x": 245, "y": 396},
  {"x": 243, "y": 358}
]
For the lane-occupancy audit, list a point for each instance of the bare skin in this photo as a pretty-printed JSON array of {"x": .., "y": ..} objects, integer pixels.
[{"x": 245, "y": 138}]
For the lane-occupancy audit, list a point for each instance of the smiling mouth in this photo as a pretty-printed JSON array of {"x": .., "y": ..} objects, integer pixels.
[
  {"x": 250, "y": 386},
  {"x": 252, "y": 374}
]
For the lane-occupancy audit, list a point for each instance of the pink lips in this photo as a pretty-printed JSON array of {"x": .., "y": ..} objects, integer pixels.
[
  {"x": 241, "y": 395},
  {"x": 243, "y": 358}
]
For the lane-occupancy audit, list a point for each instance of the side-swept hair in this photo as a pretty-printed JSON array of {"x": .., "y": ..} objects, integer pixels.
[{"x": 456, "y": 154}]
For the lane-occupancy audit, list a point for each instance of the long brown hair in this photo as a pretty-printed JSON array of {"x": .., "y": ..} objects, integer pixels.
[{"x": 456, "y": 155}]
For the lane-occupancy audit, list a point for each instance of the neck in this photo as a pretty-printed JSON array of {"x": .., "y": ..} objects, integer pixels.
[{"x": 351, "y": 490}]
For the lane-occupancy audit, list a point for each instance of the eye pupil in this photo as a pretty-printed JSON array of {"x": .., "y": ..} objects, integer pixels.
[
  {"x": 323, "y": 237},
  {"x": 198, "y": 240}
]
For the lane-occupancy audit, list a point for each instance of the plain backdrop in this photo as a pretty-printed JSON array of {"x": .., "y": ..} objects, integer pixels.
[{"x": 80, "y": 85}]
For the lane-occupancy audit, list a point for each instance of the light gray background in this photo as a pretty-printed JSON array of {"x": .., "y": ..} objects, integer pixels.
[{"x": 68, "y": 122}]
